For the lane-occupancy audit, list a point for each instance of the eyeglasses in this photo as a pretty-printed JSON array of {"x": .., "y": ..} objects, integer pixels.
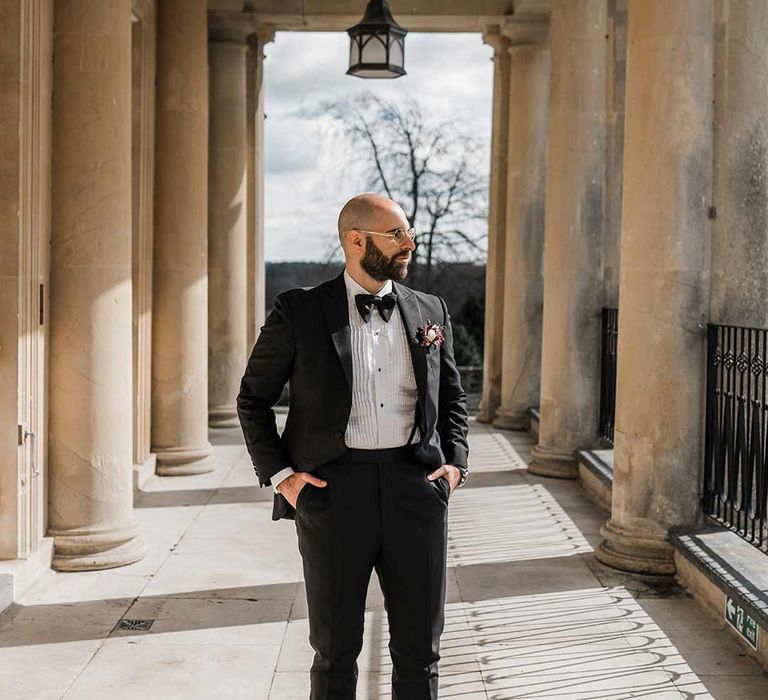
[{"x": 398, "y": 237}]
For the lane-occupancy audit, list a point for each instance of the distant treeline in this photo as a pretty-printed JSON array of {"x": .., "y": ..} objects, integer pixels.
[{"x": 462, "y": 285}]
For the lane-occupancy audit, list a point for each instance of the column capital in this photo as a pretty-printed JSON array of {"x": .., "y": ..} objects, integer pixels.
[
  {"x": 492, "y": 36},
  {"x": 260, "y": 38},
  {"x": 230, "y": 27},
  {"x": 523, "y": 31}
]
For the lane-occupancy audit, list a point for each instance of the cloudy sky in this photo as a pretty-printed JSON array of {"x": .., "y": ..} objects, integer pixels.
[{"x": 306, "y": 183}]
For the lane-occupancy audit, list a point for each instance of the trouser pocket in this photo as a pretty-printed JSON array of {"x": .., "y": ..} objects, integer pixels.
[{"x": 303, "y": 495}]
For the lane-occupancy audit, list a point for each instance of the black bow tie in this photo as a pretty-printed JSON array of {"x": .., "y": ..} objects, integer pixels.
[{"x": 385, "y": 305}]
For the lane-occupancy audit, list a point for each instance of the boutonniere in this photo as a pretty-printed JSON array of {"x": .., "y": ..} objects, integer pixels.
[{"x": 430, "y": 335}]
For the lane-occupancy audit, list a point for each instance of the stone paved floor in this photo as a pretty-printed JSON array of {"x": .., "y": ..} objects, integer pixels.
[{"x": 530, "y": 613}]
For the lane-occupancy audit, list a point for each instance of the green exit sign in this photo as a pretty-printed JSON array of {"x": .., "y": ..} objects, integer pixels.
[{"x": 741, "y": 621}]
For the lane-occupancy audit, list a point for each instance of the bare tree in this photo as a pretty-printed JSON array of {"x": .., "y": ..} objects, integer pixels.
[{"x": 433, "y": 169}]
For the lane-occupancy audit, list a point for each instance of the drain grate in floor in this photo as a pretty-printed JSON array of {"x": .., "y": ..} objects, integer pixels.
[{"x": 135, "y": 625}]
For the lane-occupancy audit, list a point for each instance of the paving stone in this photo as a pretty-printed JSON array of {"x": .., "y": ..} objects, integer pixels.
[{"x": 530, "y": 612}]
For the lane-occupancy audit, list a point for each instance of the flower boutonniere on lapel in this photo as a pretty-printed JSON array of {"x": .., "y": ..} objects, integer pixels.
[{"x": 430, "y": 335}]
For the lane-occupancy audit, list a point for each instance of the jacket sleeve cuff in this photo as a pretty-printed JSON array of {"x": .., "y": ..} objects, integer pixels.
[{"x": 457, "y": 456}]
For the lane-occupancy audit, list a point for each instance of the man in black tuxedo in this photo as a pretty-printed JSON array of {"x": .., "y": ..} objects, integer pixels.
[{"x": 364, "y": 495}]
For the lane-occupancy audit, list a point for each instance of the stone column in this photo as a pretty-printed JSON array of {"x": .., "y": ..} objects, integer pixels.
[
  {"x": 144, "y": 68},
  {"x": 494, "y": 269},
  {"x": 664, "y": 282},
  {"x": 90, "y": 430},
  {"x": 739, "y": 240},
  {"x": 526, "y": 186},
  {"x": 573, "y": 271},
  {"x": 180, "y": 321},
  {"x": 255, "y": 168},
  {"x": 227, "y": 216},
  {"x": 616, "y": 91}
]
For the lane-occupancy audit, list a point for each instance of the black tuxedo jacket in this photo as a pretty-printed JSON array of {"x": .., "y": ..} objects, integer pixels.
[{"x": 305, "y": 340}]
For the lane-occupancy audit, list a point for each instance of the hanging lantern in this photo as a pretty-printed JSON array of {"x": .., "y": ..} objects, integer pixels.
[{"x": 377, "y": 44}]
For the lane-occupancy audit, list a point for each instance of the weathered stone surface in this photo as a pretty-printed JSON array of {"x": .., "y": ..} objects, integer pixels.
[
  {"x": 664, "y": 293},
  {"x": 523, "y": 271},
  {"x": 740, "y": 230},
  {"x": 575, "y": 206},
  {"x": 497, "y": 207}
]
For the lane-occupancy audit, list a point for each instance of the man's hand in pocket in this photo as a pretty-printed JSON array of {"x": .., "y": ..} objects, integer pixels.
[{"x": 291, "y": 485}]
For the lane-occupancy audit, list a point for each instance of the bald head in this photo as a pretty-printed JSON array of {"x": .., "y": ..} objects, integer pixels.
[
  {"x": 367, "y": 211},
  {"x": 370, "y": 258}
]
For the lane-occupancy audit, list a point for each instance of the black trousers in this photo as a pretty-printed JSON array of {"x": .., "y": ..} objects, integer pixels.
[{"x": 378, "y": 511}]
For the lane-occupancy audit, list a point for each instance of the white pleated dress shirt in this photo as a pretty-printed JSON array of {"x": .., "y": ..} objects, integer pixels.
[{"x": 383, "y": 383}]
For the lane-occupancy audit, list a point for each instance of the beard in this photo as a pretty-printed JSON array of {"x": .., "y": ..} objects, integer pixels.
[{"x": 380, "y": 267}]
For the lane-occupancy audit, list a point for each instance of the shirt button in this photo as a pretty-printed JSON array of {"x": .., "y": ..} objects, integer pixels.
[
  {"x": 382, "y": 405},
  {"x": 379, "y": 369}
]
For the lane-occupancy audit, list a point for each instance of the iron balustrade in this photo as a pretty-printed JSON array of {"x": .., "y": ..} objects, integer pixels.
[
  {"x": 735, "y": 459},
  {"x": 609, "y": 335}
]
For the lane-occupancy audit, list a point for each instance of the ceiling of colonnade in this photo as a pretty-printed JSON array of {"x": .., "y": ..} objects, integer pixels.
[{"x": 415, "y": 15}]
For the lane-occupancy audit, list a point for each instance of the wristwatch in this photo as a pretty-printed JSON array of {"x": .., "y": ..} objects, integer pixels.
[{"x": 464, "y": 473}]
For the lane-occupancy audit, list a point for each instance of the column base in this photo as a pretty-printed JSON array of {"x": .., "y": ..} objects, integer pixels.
[
  {"x": 511, "y": 419},
  {"x": 223, "y": 417},
  {"x": 184, "y": 461},
  {"x": 91, "y": 549},
  {"x": 632, "y": 551},
  {"x": 552, "y": 463},
  {"x": 482, "y": 414},
  {"x": 143, "y": 470}
]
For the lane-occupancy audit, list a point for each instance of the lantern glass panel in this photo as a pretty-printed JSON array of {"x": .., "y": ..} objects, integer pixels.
[
  {"x": 354, "y": 52},
  {"x": 396, "y": 51},
  {"x": 374, "y": 49}
]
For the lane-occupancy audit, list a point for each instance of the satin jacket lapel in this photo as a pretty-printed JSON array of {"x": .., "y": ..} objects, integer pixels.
[
  {"x": 337, "y": 316},
  {"x": 411, "y": 315}
]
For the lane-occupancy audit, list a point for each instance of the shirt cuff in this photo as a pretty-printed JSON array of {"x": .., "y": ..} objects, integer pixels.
[{"x": 282, "y": 474}]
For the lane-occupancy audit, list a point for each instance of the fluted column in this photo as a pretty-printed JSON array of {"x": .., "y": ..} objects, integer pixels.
[
  {"x": 180, "y": 321},
  {"x": 664, "y": 282},
  {"x": 526, "y": 187},
  {"x": 573, "y": 284},
  {"x": 90, "y": 430},
  {"x": 494, "y": 269},
  {"x": 227, "y": 218}
]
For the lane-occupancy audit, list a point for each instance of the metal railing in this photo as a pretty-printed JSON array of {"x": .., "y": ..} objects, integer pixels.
[
  {"x": 736, "y": 462},
  {"x": 609, "y": 338}
]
